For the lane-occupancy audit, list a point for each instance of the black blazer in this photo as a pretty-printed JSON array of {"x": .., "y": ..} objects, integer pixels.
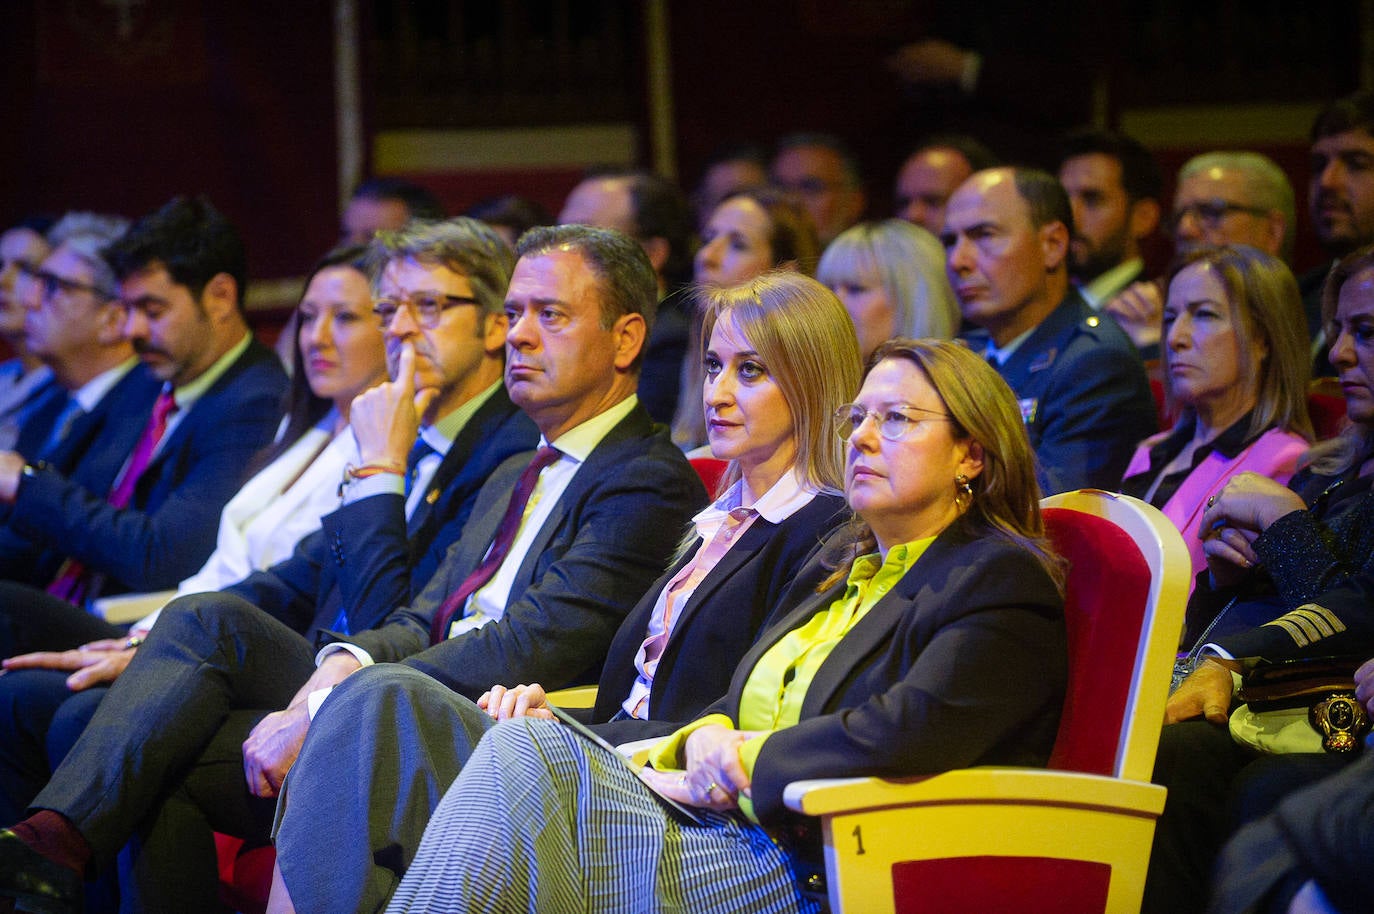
[
  {"x": 607, "y": 537},
  {"x": 169, "y": 527},
  {"x": 367, "y": 557},
  {"x": 730, "y": 606},
  {"x": 963, "y": 663}
]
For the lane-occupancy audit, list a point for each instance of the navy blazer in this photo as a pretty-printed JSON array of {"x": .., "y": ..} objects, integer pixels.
[
  {"x": 1084, "y": 397},
  {"x": 367, "y": 557},
  {"x": 740, "y": 597},
  {"x": 169, "y": 527},
  {"x": 91, "y": 453},
  {"x": 606, "y": 539}
]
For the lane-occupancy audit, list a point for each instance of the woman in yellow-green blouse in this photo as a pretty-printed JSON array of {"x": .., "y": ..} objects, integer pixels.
[{"x": 937, "y": 643}]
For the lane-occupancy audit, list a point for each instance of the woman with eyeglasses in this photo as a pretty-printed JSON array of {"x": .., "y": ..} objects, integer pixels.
[
  {"x": 1236, "y": 365},
  {"x": 779, "y": 352},
  {"x": 941, "y": 593}
]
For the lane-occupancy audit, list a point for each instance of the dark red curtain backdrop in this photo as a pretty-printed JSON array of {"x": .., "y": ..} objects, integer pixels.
[{"x": 116, "y": 106}]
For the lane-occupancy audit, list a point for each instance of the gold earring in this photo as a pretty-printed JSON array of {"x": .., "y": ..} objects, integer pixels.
[{"x": 964, "y": 496}]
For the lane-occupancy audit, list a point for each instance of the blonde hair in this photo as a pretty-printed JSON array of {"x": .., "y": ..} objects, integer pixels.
[
  {"x": 1265, "y": 307},
  {"x": 1006, "y": 495},
  {"x": 804, "y": 337},
  {"x": 910, "y": 264}
]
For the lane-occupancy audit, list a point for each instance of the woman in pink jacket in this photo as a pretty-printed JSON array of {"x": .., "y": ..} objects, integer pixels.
[{"x": 1237, "y": 367}]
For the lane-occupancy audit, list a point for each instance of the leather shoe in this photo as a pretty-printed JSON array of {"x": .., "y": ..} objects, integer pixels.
[{"x": 34, "y": 882}]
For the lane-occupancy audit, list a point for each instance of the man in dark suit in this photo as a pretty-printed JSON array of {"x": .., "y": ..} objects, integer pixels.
[
  {"x": 602, "y": 519},
  {"x": 73, "y": 323},
  {"x": 375, "y": 551},
  {"x": 181, "y": 272},
  {"x": 1081, "y": 386}
]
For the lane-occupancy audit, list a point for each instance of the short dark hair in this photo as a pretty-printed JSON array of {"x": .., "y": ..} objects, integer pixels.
[
  {"x": 191, "y": 239},
  {"x": 519, "y": 214},
  {"x": 1140, "y": 175},
  {"x": 660, "y": 210},
  {"x": 978, "y": 155},
  {"x": 628, "y": 283},
  {"x": 1045, "y": 196},
  {"x": 853, "y": 173},
  {"x": 1352, "y": 112},
  {"x": 419, "y": 202}
]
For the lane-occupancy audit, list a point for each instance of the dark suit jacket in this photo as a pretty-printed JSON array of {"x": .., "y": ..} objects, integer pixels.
[
  {"x": 606, "y": 539},
  {"x": 1084, "y": 397},
  {"x": 169, "y": 528},
  {"x": 40, "y": 415},
  {"x": 91, "y": 453},
  {"x": 731, "y": 605},
  {"x": 963, "y": 663},
  {"x": 367, "y": 557}
]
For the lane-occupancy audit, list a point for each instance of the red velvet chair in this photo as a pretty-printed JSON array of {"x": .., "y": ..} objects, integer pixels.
[
  {"x": 1326, "y": 406},
  {"x": 711, "y": 470},
  {"x": 1070, "y": 839}
]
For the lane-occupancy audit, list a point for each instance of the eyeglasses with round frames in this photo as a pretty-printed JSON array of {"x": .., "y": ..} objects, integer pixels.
[
  {"x": 893, "y": 425},
  {"x": 427, "y": 307}
]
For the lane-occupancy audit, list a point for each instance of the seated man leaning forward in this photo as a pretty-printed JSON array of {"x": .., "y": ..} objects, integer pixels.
[{"x": 556, "y": 552}]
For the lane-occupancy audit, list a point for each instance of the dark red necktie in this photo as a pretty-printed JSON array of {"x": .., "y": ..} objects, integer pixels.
[
  {"x": 72, "y": 580},
  {"x": 500, "y": 544}
]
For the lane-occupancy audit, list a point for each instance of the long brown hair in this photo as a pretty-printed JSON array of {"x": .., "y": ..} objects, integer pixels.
[{"x": 1006, "y": 495}]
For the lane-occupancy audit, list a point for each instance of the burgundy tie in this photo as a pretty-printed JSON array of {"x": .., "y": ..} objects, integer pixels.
[
  {"x": 500, "y": 544},
  {"x": 72, "y": 581}
]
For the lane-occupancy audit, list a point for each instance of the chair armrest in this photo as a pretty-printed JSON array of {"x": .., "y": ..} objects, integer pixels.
[
  {"x": 574, "y": 697},
  {"x": 1022, "y": 785},
  {"x": 130, "y": 607}
]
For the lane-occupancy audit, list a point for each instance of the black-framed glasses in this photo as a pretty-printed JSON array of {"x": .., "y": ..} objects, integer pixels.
[
  {"x": 51, "y": 283},
  {"x": 1211, "y": 212},
  {"x": 893, "y": 424},
  {"x": 427, "y": 307}
]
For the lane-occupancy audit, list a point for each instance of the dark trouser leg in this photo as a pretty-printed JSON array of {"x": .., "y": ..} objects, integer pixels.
[
  {"x": 1197, "y": 762},
  {"x": 33, "y": 620},
  {"x": 170, "y": 864},
  {"x": 380, "y": 754},
  {"x": 209, "y": 655},
  {"x": 28, "y": 701}
]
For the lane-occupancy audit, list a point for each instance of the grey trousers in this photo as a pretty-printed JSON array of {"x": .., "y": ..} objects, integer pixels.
[
  {"x": 541, "y": 820},
  {"x": 380, "y": 753}
]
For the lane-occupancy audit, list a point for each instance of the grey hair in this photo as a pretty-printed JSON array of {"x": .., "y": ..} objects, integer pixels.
[{"x": 1265, "y": 182}]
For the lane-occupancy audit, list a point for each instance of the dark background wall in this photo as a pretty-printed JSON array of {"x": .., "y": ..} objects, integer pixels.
[{"x": 115, "y": 107}]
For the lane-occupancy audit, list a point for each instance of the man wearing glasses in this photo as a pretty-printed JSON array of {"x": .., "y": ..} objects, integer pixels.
[
  {"x": 1222, "y": 198},
  {"x": 556, "y": 552},
  {"x": 181, "y": 276},
  {"x": 73, "y": 323}
]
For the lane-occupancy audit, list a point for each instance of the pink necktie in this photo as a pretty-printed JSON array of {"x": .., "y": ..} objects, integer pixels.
[
  {"x": 71, "y": 581},
  {"x": 500, "y": 544}
]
